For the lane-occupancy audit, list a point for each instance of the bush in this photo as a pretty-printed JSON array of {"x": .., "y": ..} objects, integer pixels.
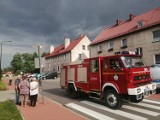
[{"x": 2, "y": 85}]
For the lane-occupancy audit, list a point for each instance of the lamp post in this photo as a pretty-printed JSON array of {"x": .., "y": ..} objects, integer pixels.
[{"x": 1, "y": 59}]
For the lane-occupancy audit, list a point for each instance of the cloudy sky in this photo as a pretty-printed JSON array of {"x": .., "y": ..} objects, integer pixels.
[{"x": 48, "y": 22}]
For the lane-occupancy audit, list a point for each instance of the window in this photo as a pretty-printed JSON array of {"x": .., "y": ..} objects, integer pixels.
[
  {"x": 110, "y": 46},
  {"x": 94, "y": 66},
  {"x": 57, "y": 68},
  {"x": 105, "y": 63},
  {"x": 83, "y": 47},
  {"x": 114, "y": 64},
  {"x": 80, "y": 56},
  {"x": 131, "y": 62},
  {"x": 139, "y": 51},
  {"x": 99, "y": 49},
  {"x": 156, "y": 35},
  {"x": 64, "y": 57},
  {"x": 157, "y": 59},
  {"x": 54, "y": 68},
  {"x": 124, "y": 43},
  {"x": 140, "y": 23}
]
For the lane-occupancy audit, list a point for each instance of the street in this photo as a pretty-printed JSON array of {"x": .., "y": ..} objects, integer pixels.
[{"x": 94, "y": 109}]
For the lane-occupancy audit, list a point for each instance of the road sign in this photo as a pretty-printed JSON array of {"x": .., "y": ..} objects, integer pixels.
[{"x": 37, "y": 60}]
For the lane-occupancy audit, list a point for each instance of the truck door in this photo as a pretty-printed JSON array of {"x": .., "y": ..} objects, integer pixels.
[
  {"x": 113, "y": 72},
  {"x": 94, "y": 75}
]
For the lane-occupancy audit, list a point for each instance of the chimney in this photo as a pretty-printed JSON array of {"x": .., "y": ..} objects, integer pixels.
[
  {"x": 131, "y": 16},
  {"x": 118, "y": 22},
  {"x": 51, "y": 49},
  {"x": 66, "y": 42}
]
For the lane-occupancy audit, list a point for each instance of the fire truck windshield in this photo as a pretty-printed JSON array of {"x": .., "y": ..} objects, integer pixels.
[{"x": 131, "y": 62}]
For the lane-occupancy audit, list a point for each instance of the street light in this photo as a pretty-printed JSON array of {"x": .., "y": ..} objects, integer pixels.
[{"x": 1, "y": 59}]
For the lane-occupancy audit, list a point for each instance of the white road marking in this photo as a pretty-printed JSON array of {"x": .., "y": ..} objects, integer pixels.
[
  {"x": 118, "y": 112},
  {"x": 144, "y": 111},
  {"x": 151, "y": 101},
  {"x": 89, "y": 112},
  {"x": 147, "y": 105}
]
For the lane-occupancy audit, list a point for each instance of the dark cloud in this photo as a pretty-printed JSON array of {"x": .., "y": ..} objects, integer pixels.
[{"x": 28, "y": 22}]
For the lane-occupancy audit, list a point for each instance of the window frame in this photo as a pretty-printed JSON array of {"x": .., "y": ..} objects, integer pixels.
[
  {"x": 139, "y": 50},
  {"x": 156, "y": 59},
  {"x": 83, "y": 47},
  {"x": 94, "y": 65},
  {"x": 64, "y": 57},
  {"x": 99, "y": 48},
  {"x": 155, "y": 38},
  {"x": 124, "y": 43},
  {"x": 110, "y": 46},
  {"x": 80, "y": 56},
  {"x": 140, "y": 23}
]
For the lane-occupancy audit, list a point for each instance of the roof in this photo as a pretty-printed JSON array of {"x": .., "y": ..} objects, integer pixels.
[
  {"x": 149, "y": 19},
  {"x": 61, "y": 49}
]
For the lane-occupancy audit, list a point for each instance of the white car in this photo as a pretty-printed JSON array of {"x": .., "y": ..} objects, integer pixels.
[{"x": 155, "y": 75}]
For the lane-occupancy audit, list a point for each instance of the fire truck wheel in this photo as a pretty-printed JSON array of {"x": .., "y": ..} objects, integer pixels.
[
  {"x": 71, "y": 92},
  {"x": 112, "y": 99}
]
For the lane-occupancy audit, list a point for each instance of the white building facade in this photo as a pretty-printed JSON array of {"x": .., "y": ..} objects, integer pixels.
[{"x": 71, "y": 52}]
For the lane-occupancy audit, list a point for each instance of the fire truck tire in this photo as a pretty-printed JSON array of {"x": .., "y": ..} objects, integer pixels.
[
  {"x": 112, "y": 99},
  {"x": 72, "y": 93}
]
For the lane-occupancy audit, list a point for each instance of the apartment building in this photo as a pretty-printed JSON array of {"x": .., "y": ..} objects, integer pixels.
[
  {"x": 71, "y": 52},
  {"x": 140, "y": 33}
]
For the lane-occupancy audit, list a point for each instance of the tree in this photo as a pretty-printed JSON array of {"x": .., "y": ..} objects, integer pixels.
[
  {"x": 23, "y": 62},
  {"x": 17, "y": 63},
  {"x": 28, "y": 62}
]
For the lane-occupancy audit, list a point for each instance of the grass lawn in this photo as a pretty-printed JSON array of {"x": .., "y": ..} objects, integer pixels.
[
  {"x": 9, "y": 111},
  {"x": 2, "y": 85}
]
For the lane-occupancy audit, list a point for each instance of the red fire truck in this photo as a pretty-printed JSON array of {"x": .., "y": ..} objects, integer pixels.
[{"x": 110, "y": 78}]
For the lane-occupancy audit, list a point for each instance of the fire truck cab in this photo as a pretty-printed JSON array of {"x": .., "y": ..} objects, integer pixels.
[{"x": 109, "y": 78}]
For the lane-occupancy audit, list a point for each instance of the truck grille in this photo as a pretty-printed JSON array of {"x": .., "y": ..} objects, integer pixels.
[{"x": 140, "y": 77}]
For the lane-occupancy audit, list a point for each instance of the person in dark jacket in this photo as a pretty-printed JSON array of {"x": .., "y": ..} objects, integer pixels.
[{"x": 17, "y": 90}]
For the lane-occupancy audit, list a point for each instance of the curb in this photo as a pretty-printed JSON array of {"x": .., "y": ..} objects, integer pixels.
[{"x": 23, "y": 118}]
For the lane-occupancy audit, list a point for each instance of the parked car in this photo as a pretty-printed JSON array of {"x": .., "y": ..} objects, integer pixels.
[
  {"x": 31, "y": 75},
  {"x": 50, "y": 75},
  {"x": 38, "y": 76},
  {"x": 155, "y": 75}
]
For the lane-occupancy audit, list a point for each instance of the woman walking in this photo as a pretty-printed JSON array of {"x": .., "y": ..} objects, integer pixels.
[
  {"x": 33, "y": 91},
  {"x": 24, "y": 90}
]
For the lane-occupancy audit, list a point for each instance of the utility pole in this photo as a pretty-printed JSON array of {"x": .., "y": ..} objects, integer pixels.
[
  {"x": 40, "y": 68},
  {"x": 1, "y": 58},
  {"x": 40, "y": 65}
]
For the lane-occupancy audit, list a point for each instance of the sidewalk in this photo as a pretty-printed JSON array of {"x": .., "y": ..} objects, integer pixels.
[{"x": 47, "y": 110}]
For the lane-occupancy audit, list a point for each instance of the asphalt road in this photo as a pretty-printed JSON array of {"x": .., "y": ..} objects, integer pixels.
[{"x": 94, "y": 109}]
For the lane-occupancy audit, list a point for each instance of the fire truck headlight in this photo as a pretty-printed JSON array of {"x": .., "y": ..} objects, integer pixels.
[
  {"x": 153, "y": 86},
  {"x": 138, "y": 90}
]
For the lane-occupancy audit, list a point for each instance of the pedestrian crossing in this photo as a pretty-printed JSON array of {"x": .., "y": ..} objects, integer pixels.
[
  {"x": 89, "y": 112},
  {"x": 145, "y": 110}
]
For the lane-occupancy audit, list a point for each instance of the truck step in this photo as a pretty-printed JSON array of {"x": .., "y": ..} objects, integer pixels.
[{"x": 94, "y": 95}]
